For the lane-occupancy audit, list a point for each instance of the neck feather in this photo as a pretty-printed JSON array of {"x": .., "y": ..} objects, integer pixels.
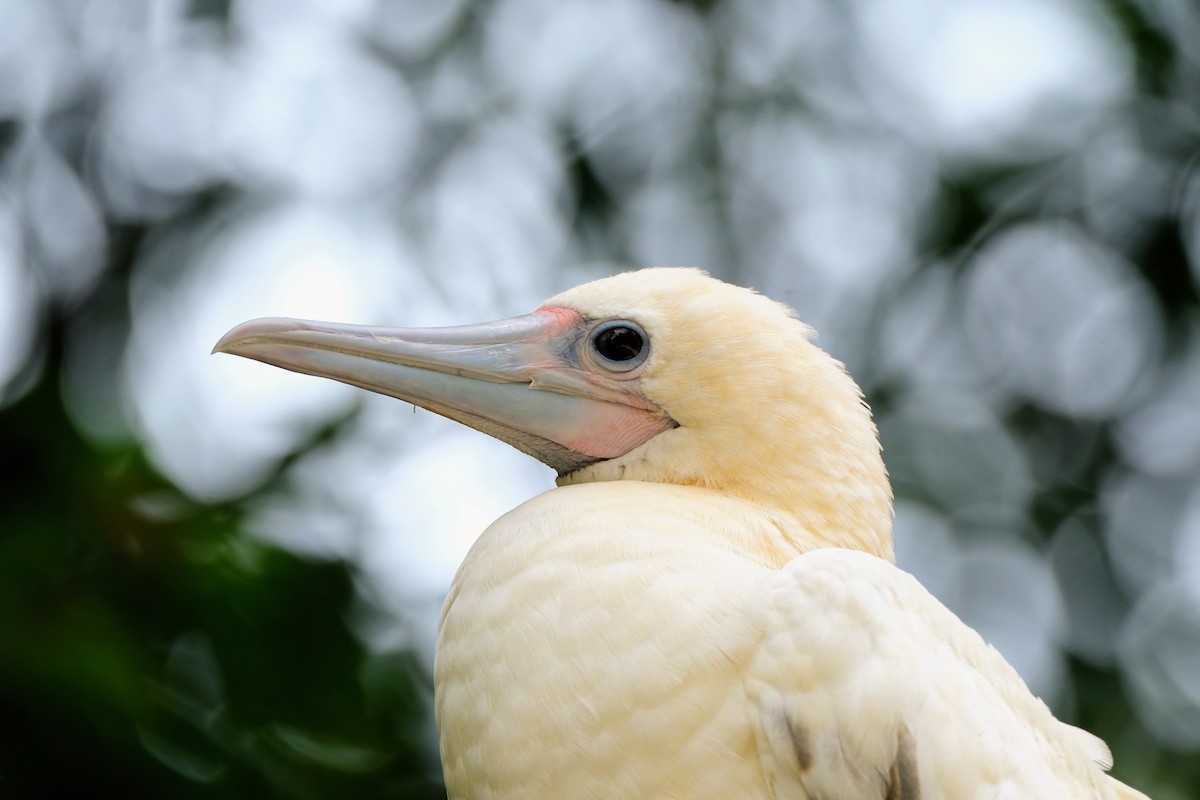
[{"x": 810, "y": 459}]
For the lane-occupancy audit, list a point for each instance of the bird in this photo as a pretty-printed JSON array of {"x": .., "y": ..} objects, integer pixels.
[{"x": 706, "y": 604}]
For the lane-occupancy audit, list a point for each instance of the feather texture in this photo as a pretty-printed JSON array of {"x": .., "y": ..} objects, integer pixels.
[
  {"x": 706, "y": 606},
  {"x": 605, "y": 640}
]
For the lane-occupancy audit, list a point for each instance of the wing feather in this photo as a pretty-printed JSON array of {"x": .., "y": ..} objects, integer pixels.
[{"x": 866, "y": 686}]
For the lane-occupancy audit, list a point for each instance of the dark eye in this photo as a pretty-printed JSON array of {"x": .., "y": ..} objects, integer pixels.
[{"x": 621, "y": 344}]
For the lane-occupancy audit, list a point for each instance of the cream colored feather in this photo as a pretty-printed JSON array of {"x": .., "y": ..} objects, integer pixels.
[
  {"x": 675, "y": 623},
  {"x": 706, "y": 606}
]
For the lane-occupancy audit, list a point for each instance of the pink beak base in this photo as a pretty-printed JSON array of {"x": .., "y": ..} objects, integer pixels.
[{"x": 520, "y": 379}]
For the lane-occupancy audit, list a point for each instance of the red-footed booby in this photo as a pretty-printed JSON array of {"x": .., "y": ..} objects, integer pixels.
[{"x": 706, "y": 606}]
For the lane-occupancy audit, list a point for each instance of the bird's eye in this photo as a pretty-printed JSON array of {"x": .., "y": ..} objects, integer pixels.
[
  {"x": 622, "y": 345},
  {"x": 619, "y": 344}
]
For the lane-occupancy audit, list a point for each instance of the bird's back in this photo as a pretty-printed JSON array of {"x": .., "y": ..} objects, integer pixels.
[
  {"x": 867, "y": 686},
  {"x": 615, "y": 640}
]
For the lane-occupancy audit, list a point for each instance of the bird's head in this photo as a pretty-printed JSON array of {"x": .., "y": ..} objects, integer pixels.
[{"x": 661, "y": 375}]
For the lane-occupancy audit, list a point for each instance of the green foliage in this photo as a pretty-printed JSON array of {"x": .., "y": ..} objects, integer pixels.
[{"x": 149, "y": 649}]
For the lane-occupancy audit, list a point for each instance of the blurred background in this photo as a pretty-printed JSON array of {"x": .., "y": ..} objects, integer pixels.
[{"x": 219, "y": 579}]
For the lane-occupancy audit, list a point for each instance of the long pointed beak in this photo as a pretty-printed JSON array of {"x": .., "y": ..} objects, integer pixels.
[{"x": 520, "y": 380}]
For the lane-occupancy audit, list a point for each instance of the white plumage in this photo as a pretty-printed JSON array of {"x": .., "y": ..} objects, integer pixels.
[{"x": 706, "y": 606}]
